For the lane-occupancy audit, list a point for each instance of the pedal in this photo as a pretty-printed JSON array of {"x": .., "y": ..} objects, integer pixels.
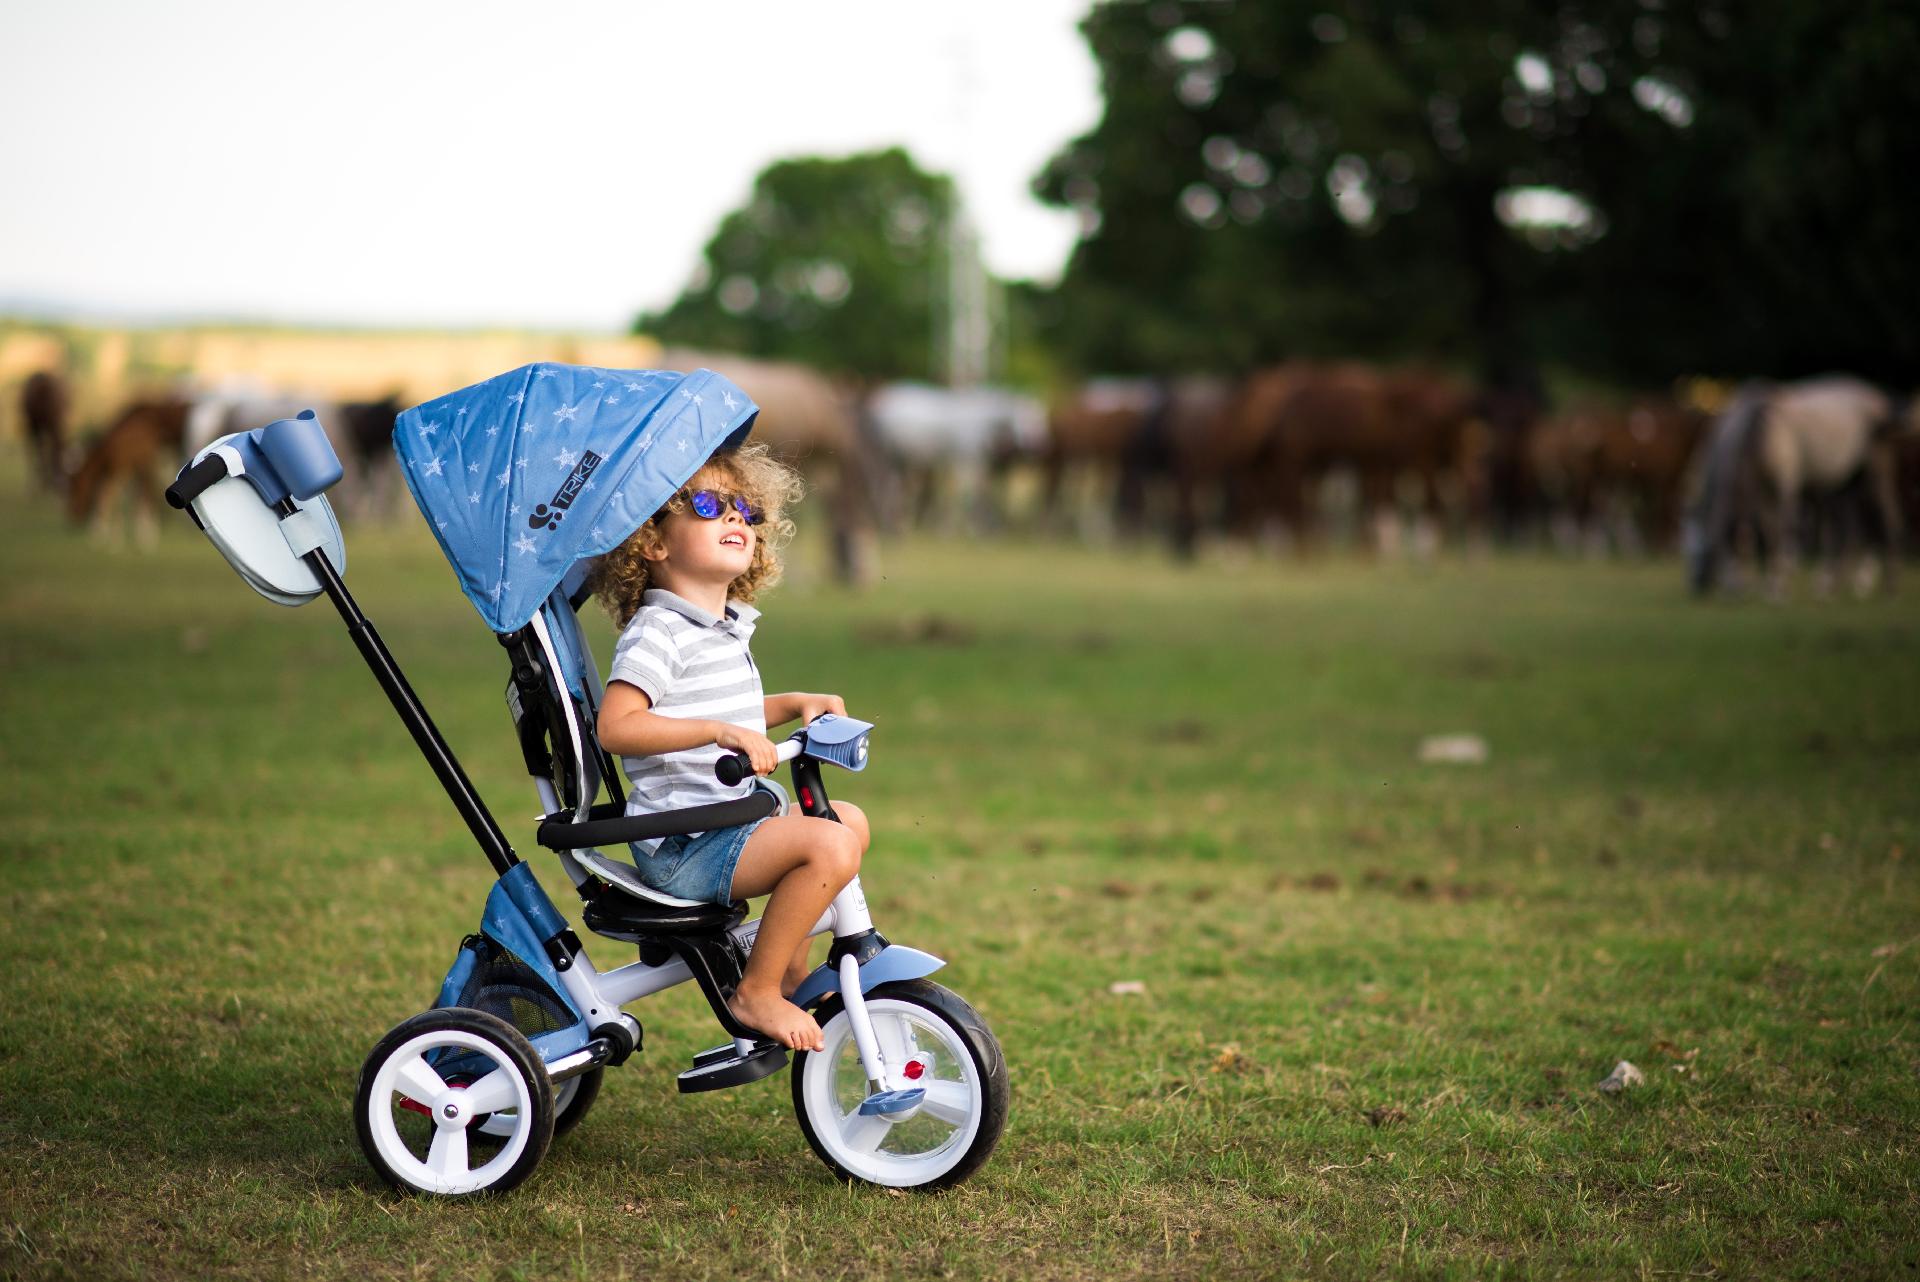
[
  {"x": 892, "y": 1103},
  {"x": 713, "y": 1071}
]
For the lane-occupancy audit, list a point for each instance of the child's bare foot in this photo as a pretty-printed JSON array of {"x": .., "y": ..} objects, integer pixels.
[{"x": 778, "y": 1018}]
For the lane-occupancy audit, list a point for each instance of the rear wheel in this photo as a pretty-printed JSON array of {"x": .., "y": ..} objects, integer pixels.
[
  {"x": 931, "y": 1040},
  {"x": 454, "y": 1102},
  {"x": 571, "y": 1100}
]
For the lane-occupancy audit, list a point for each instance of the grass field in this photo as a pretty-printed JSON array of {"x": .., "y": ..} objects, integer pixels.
[{"x": 1378, "y": 993}]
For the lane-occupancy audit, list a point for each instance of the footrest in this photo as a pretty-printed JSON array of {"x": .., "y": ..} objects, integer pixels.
[
  {"x": 717, "y": 1074},
  {"x": 724, "y": 1051},
  {"x": 892, "y": 1103}
]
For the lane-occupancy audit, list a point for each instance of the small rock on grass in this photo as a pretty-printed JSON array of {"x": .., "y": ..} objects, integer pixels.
[
  {"x": 1454, "y": 749},
  {"x": 1231, "y": 1059},
  {"x": 1127, "y": 988},
  {"x": 1623, "y": 1076}
]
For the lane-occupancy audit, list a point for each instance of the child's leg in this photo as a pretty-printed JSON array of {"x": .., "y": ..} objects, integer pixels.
[
  {"x": 798, "y": 969},
  {"x": 804, "y": 862}
]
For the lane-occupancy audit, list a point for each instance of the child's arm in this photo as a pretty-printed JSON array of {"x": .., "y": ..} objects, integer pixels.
[
  {"x": 782, "y": 708},
  {"x": 630, "y": 728}
]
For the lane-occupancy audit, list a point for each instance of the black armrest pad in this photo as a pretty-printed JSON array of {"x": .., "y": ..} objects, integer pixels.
[{"x": 559, "y": 832}]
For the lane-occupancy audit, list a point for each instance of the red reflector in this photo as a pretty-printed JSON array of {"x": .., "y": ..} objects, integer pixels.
[
  {"x": 416, "y": 1106},
  {"x": 806, "y": 799},
  {"x": 914, "y": 1069}
]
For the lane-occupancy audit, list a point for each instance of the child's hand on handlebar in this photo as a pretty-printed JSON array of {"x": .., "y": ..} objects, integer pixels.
[
  {"x": 758, "y": 747},
  {"x": 814, "y": 705}
]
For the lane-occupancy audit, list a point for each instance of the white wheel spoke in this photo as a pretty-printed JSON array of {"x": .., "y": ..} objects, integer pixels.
[
  {"x": 491, "y": 1093},
  {"x": 894, "y": 1036},
  {"x": 448, "y": 1156},
  {"x": 951, "y": 1102},
  {"x": 499, "y": 1125},
  {"x": 863, "y": 1134},
  {"x": 419, "y": 1082}
]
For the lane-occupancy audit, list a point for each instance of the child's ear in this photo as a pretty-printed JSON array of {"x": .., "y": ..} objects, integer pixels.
[{"x": 653, "y": 549}]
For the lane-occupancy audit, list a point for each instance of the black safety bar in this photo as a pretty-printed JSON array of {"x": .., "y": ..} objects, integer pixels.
[
  {"x": 605, "y": 825},
  {"x": 413, "y": 714}
]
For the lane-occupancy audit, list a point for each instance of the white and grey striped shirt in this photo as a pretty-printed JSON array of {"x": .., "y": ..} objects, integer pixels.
[{"x": 689, "y": 664}]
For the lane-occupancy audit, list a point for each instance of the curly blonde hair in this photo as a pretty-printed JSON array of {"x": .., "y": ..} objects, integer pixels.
[{"x": 622, "y": 576}]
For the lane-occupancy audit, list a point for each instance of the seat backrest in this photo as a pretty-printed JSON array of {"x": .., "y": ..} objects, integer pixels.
[{"x": 554, "y": 694}]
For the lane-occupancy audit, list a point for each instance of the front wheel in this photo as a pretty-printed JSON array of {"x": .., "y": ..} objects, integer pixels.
[
  {"x": 454, "y": 1102},
  {"x": 930, "y": 1040}
]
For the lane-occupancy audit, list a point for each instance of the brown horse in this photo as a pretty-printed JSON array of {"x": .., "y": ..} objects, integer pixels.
[
  {"x": 1091, "y": 430},
  {"x": 1167, "y": 447},
  {"x": 44, "y": 405},
  {"x": 140, "y": 450},
  {"x": 1622, "y": 467},
  {"x": 1384, "y": 428},
  {"x": 1641, "y": 465},
  {"x": 813, "y": 422},
  {"x": 1208, "y": 452}
]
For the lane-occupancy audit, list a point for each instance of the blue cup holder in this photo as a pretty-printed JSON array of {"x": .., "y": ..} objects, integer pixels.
[{"x": 301, "y": 455}]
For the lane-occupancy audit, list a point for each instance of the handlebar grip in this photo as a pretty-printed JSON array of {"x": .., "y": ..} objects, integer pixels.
[
  {"x": 196, "y": 480},
  {"x": 733, "y": 768}
]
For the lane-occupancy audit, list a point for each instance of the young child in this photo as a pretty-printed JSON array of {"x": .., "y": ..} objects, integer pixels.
[{"x": 683, "y": 690}]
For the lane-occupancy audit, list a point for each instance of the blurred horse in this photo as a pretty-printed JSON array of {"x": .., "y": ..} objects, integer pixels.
[
  {"x": 813, "y": 423},
  {"x": 1208, "y": 449},
  {"x": 953, "y": 439},
  {"x": 1384, "y": 428},
  {"x": 1792, "y": 463},
  {"x": 1721, "y": 520},
  {"x": 1095, "y": 432},
  {"x": 240, "y": 405},
  {"x": 1510, "y": 406},
  {"x": 1172, "y": 450},
  {"x": 44, "y": 404},
  {"x": 1618, "y": 471},
  {"x": 366, "y": 429},
  {"x": 139, "y": 451}
]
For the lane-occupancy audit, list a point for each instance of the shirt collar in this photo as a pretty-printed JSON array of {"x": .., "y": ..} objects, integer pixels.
[{"x": 740, "y": 615}]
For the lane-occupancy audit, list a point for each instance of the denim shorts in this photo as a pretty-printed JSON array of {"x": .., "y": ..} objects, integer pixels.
[{"x": 698, "y": 866}]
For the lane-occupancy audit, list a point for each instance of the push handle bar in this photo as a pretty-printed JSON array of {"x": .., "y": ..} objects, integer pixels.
[
  {"x": 736, "y": 766},
  {"x": 196, "y": 480}
]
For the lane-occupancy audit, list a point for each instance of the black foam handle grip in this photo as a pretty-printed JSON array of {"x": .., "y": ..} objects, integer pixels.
[
  {"x": 196, "y": 480},
  {"x": 733, "y": 768}
]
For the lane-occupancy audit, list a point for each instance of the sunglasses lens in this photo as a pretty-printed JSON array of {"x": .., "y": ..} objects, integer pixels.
[
  {"x": 706, "y": 504},
  {"x": 745, "y": 509}
]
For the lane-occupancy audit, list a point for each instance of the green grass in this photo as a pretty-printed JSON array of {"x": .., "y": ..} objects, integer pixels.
[{"x": 228, "y": 873}]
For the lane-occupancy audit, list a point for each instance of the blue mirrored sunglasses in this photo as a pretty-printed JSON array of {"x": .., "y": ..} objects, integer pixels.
[{"x": 709, "y": 504}]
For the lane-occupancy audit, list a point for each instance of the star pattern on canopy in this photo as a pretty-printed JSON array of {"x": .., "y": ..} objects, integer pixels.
[{"x": 626, "y": 440}]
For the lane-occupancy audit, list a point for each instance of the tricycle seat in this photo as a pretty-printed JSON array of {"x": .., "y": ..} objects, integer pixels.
[{"x": 631, "y": 910}]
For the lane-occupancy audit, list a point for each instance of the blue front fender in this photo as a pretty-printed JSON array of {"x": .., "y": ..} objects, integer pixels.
[{"x": 894, "y": 962}]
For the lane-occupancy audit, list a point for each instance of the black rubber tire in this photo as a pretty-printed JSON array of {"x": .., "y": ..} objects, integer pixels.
[
  {"x": 509, "y": 1047},
  {"x": 583, "y": 1097},
  {"x": 947, "y": 1006}
]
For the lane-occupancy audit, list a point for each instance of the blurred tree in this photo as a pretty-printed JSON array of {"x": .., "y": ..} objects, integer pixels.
[
  {"x": 838, "y": 263},
  {"x": 1628, "y": 186}
]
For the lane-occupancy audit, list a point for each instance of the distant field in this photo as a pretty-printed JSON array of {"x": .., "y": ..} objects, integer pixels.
[{"x": 1378, "y": 993}]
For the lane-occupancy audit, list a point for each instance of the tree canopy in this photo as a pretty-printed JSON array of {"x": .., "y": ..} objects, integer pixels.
[
  {"x": 833, "y": 262},
  {"x": 1633, "y": 187}
]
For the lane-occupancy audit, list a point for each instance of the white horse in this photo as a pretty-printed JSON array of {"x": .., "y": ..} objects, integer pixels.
[
  {"x": 1799, "y": 462},
  {"x": 947, "y": 444}
]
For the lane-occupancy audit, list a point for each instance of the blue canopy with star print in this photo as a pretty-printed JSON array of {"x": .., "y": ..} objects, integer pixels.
[{"x": 525, "y": 474}]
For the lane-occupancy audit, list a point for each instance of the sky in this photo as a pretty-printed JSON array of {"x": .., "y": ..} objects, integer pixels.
[{"x": 420, "y": 162}]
